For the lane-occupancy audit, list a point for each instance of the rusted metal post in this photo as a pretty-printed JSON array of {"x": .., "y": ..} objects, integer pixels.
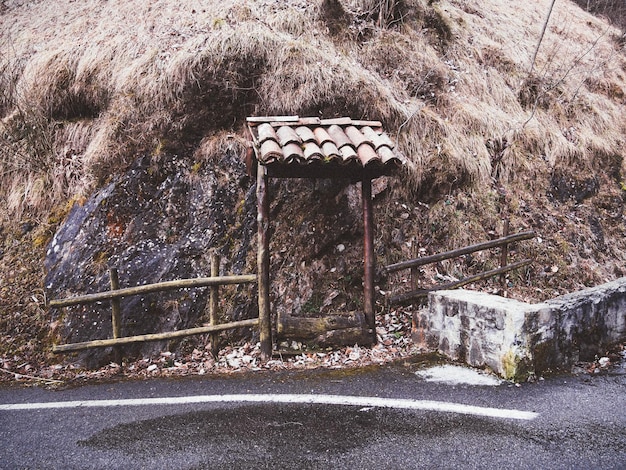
[
  {"x": 368, "y": 257},
  {"x": 213, "y": 303},
  {"x": 263, "y": 262},
  {"x": 116, "y": 322}
]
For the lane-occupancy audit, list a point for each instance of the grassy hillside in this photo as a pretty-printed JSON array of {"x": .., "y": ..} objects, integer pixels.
[{"x": 86, "y": 87}]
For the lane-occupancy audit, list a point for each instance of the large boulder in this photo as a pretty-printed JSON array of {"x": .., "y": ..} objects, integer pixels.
[{"x": 157, "y": 222}]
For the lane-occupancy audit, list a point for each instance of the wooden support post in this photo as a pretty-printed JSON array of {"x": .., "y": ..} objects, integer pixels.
[
  {"x": 116, "y": 321},
  {"x": 213, "y": 303},
  {"x": 368, "y": 257},
  {"x": 263, "y": 262}
]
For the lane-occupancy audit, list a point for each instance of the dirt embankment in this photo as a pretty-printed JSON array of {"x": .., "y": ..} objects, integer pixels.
[{"x": 84, "y": 99}]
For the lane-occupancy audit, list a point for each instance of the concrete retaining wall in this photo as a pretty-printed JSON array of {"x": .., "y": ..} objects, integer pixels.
[{"x": 516, "y": 339}]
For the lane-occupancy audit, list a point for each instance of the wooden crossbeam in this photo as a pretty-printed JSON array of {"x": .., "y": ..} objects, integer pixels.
[
  {"x": 408, "y": 296},
  {"x": 103, "y": 343},
  {"x": 459, "y": 252},
  {"x": 148, "y": 288}
]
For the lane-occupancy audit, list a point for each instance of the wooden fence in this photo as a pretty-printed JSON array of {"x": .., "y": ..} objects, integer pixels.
[
  {"x": 414, "y": 264},
  {"x": 115, "y": 294}
]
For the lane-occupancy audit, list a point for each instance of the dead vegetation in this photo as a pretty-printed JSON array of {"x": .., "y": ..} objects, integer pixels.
[
  {"x": 82, "y": 94},
  {"x": 96, "y": 95}
]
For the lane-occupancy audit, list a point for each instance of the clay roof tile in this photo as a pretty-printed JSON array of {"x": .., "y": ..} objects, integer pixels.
[
  {"x": 287, "y": 135},
  {"x": 265, "y": 132},
  {"x": 339, "y": 136},
  {"x": 305, "y": 133},
  {"x": 321, "y": 135},
  {"x": 377, "y": 139},
  {"x": 287, "y": 143},
  {"x": 312, "y": 151},
  {"x": 270, "y": 151},
  {"x": 348, "y": 154},
  {"x": 292, "y": 152},
  {"x": 367, "y": 154},
  {"x": 330, "y": 150},
  {"x": 387, "y": 155},
  {"x": 356, "y": 136}
]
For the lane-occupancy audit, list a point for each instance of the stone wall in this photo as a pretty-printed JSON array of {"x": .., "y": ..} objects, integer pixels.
[{"x": 516, "y": 339}]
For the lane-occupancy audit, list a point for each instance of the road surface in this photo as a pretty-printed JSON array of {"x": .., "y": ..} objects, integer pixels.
[{"x": 378, "y": 417}]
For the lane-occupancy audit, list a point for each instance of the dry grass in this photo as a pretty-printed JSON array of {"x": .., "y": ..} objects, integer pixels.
[
  {"x": 82, "y": 93},
  {"x": 95, "y": 93}
]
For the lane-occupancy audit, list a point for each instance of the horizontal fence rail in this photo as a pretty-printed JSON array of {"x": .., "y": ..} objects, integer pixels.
[
  {"x": 149, "y": 288},
  {"x": 116, "y": 293},
  {"x": 103, "y": 343},
  {"x": 413, "y": 264},
  {"x": 408, "y": 296}
]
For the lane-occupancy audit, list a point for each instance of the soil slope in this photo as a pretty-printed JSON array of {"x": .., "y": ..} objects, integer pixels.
[{"x": 499, "y": 123}]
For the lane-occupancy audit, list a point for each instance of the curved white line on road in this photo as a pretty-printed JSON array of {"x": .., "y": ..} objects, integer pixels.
[{"x": 397, "y": 403}]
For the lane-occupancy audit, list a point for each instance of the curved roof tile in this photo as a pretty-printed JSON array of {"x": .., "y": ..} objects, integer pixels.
[
  {"x": 266, "y": 132},
  {"x": 367, "y": 155},
  {"x": 305, "y": 133},
  {"x": 356, "y": 136},
  {"x": 339, "y": 136},
  {"x": 287, "y": 135},
  {"x": 291, "y": 141},
  {"x": 312, "y": 151},
  {"x": 322, "y": 135},
  {"x": 348, "y": 154}
]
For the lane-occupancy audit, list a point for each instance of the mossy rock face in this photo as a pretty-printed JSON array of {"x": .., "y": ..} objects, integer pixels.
[{"x": 157, "y": 222}]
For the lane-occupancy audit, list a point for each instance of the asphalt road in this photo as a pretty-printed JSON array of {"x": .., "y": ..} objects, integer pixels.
[{"x": 398, "y": 420}]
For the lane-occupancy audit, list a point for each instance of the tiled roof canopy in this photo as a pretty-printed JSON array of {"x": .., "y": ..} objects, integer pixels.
[{"x": 290, "y": 146}]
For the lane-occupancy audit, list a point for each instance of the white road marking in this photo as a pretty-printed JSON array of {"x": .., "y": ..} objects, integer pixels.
[{"x": 397, "y": 403}]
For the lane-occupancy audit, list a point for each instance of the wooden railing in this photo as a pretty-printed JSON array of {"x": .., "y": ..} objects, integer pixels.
[
  {"x": 115, "y": 294},
  {"x": 414, "y": 264}
]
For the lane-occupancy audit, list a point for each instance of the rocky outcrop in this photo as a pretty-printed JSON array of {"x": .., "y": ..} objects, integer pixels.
[{"x": 157, "y": 222}]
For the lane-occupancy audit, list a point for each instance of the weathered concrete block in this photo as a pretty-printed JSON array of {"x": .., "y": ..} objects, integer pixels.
[
  {"x": 514, "y": 338},
  {"x": 478, "y": 328}
]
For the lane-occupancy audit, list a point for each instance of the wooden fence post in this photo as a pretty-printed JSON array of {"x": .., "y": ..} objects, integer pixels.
[
  {"x": 414, "y": 274},
  {"x": 213, "y": 303},
  {"x": 116, "y": 321},
  {"x": 504, "y": 253}
]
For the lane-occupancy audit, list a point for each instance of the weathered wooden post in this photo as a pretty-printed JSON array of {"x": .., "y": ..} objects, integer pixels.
[
  {"x": 263, "y": 262},
  {"x": 369, "y": 261},
  {"x": 504, "y": 254},
  {"x": 116, "y": 322},
  {"x": 213, "y": 303},
  {"x": 413, "y": 280}
]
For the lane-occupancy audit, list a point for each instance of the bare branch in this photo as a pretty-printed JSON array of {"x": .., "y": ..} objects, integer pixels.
[{"x": 543, "y": 32}]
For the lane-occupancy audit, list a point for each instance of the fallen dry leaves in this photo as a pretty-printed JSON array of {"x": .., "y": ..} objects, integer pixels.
[{"x": 394, "y": 342}]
